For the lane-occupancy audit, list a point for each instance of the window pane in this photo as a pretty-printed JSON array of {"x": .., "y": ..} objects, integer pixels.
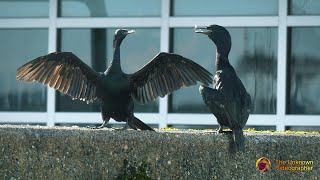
[
  {"x": 185, "y": 41},
  {"x": 304, "y": 65},
  {"x": 253, "y": 55},
  {"x": 224, "y": 8},
  {"x": 110, "y": 8},
  {"x": 24, "y": 8},
  {"x": 17, "y": 48},
  {"x": 304, "y": 7},
  {"x": 94, "y": 47}
]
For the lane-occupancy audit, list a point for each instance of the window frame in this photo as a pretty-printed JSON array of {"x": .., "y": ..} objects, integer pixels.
[{"x": 282, "y": 21}]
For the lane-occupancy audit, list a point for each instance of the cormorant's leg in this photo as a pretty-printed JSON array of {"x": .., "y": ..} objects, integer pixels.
[
  {"x": 220, "y": 129},
  {"x": 103, "y": 125}
]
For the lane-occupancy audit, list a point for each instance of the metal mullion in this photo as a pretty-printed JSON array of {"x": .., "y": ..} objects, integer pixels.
[
  {"x": 303, "y": 20},
  {"x": 191, "y": 119},
  {"x": 23, "y": 117},
  {"x": 209, "y": 119},
  {"x": 52, "y": 47},
  {"x": 95, "y": 118},
  {"x": 15, "y": 23},
  {"x": 164, "y": 47},
  {"x": 234, "y": 21},
  {"x": 282, "y": 65},
  {"x": 302, "y": 120},
  {"x": 108, "y": 22}
]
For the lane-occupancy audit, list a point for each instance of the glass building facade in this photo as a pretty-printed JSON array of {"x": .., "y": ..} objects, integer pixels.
[{"x": 274, "y": 51}]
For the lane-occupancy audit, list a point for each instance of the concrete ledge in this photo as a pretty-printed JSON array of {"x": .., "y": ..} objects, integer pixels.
[{"x": 77, "y": 153}]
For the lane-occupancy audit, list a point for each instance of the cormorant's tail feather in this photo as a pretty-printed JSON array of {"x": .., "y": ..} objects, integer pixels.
[
  {"x": 239, "y": 139},
  {"x": 139, "y": 124}
]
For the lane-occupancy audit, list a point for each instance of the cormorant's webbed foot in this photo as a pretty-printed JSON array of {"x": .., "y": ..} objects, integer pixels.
[
  {"x": 103, "y": 125},
  {"x": 220, "y": 130}
]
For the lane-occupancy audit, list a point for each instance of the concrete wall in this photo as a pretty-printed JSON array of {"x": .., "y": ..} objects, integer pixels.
[{"x": 28, "y": 152}]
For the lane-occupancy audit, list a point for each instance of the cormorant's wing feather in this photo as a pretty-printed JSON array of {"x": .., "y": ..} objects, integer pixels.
[
  {"x": 218, "y": 105},
  {"x": 165, "y": 73},
  {"x": 62, "y": 71}
]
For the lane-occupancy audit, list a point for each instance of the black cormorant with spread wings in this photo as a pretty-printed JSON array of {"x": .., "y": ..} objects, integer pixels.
[
  {"x": 115, "y": 89},
  {"x": 228, "y": 100}
]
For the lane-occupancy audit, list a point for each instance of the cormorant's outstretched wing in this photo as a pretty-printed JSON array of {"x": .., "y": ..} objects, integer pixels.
[
  {"x": 165, "y": 73},
  {"x": 64, "y": 72}
]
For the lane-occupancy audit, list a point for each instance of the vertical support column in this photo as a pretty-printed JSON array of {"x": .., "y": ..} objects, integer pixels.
[
  {"x": 51, "y": 94},
  {"x": 282, "y": 65},
  {"x": 164, "y": 47}
]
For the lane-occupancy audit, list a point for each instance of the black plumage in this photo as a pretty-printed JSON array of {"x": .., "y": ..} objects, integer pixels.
[
  {"x": 162, "y": 75},
  {"x": 228, "y": 100}
]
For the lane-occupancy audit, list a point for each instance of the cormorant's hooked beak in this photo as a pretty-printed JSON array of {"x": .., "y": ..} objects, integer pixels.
[
  {"x": 203, "y": 30},
  {"x": 131, "y": 31}
]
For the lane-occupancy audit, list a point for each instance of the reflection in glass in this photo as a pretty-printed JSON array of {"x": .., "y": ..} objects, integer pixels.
[
  {"x": 94, "y": 47},
  {"x": 24, "y": 8},
  {"x": 109, "y": 8},
  {"x": 303, "y": 70},
  {"x": 17, "y": 48},
  {"x": 253, "y": 55},
  {"x": 304, "y": 7},
  {"x": 224, "y": 8},
  {"x": 197, "y": 48}
]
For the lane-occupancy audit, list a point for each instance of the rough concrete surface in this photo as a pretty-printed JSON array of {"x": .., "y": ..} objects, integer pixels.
[{"x": 32, "y": 152}]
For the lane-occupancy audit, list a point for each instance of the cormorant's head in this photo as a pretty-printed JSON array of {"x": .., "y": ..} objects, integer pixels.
[
  {"x": 120, "y": 34},
  {"x": 218, "y": 34}
]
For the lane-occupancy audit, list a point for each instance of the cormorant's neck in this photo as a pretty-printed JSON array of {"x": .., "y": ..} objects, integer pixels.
[
  {"x": 223, "y": 49},
  {"x": 222, "y": 60},
  {"x": 115, "y": 64}
]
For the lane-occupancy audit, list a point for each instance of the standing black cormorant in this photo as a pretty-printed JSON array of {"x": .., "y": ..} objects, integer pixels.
[
  {"x": 228, "y": 100},
  {"x": 162, "y": 75}
]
